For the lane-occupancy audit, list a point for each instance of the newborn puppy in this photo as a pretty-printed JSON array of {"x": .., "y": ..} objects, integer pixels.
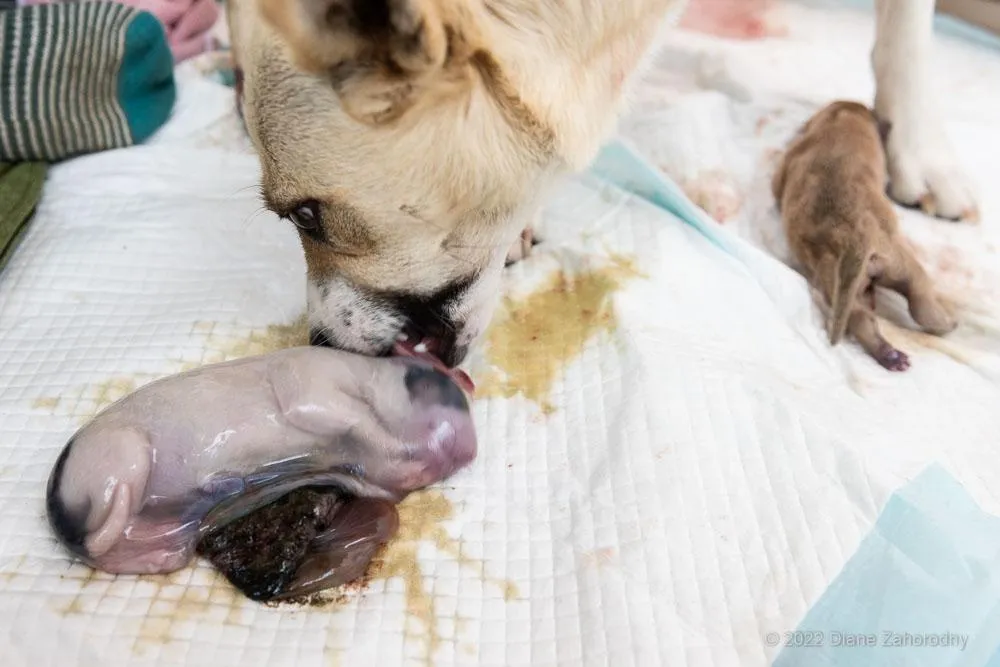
[
  {"x": 136, "y": 488},
  {"x": 842, "y": 229}
]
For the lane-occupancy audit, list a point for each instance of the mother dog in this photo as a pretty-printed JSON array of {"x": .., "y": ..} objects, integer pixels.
[{"x": 411, "y": 141}]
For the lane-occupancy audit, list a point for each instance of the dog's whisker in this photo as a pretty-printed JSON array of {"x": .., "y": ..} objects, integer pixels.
[
  {"x": 253, "y": 216},
  {"x": 240, "y": 191}
]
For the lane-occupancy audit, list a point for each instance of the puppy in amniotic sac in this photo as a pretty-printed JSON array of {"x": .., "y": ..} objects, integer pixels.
[{"x": 830, "y": 188}]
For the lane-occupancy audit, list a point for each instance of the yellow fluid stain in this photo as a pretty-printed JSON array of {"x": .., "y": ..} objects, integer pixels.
[
  {"x": 172, "y": 602},
  {"x": 110, "y": 391},
  {"x": 274, "y": 337},
  {"x": 89, "y": 400},
  {"x": 46, "y": 403},
  {"x": 76, "y": 605},
  {"x": 422, "y": 516},
  {"x": 8, "y": 575},
  {"x": 534, "y": 337}
]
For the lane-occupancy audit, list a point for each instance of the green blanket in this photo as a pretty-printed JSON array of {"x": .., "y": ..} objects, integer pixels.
[{"x": 20, "y": 189}]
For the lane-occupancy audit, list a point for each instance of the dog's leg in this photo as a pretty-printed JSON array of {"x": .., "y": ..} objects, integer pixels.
[
  {"x": 864, "y": 328},
  {"x": 905, "y": 275},
  {"x": 923, "y": 169}
]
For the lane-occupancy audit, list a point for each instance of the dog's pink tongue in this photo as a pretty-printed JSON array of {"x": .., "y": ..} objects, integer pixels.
[{"x": 406, "y": 348}]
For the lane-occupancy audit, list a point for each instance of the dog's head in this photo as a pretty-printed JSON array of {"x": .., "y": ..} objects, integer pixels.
[{"x": 389, "y": 136}]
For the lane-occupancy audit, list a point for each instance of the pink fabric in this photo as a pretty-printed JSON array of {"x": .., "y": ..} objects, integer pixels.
[{"x": 188, "y": 23}]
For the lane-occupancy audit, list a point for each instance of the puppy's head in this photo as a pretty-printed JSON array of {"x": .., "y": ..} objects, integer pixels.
[
  {"x": 837, "y": 112},
  {"x": 389, "y": 136},
  {"x": 842, "y": 127}
]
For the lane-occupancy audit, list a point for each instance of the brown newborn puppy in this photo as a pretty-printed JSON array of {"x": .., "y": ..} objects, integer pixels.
[{"x": 842, "y": 229}]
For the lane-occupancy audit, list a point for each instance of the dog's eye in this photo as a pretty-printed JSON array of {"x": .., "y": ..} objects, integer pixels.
[{"x": 306, "y": 216}]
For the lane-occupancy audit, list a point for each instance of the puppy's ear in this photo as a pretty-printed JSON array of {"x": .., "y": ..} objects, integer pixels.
[
  {"x": 382, "y": 56},
  {"x": 849, "y": 279}
]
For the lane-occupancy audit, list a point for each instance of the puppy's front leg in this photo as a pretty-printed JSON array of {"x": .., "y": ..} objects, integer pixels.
[
  {"x": 521, "y": 249},
  {"x": 923, "y": 169}
]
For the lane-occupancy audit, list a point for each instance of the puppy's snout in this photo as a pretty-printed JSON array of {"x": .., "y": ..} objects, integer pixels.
[{"x": 429, "y": 386}]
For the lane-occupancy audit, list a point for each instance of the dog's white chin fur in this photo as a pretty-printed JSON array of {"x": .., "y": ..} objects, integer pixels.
[{"x": 359, "y": 323}]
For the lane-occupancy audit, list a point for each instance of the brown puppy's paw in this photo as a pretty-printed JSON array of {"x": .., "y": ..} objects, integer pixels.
[
  {"x": 939, "y": 323},
  {"x": 932, "y": 315},
  {"x": 891, "y": 359},
  {"x": 378, "y": 53},
  {"x": 522, "y": 247}
]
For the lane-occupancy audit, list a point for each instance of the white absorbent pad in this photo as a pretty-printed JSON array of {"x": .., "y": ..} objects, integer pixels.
[{"x": 674, "y": 466}]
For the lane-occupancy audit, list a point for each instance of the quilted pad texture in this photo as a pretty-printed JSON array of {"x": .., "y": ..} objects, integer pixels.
[{"x": 673, "y": 462}]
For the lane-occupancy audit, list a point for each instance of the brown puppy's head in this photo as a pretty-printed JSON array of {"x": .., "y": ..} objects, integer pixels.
[
  {"x": 842, "y": 127},
  {"x": 841, "y": 112},
  {"x": 389, "y": 136}
]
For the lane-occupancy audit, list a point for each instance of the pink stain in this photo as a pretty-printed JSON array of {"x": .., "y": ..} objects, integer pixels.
[{"x": 734, "y": 19}]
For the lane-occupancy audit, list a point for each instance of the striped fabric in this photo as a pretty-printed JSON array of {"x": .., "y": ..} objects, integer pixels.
[{"x": 59, "y": 70}]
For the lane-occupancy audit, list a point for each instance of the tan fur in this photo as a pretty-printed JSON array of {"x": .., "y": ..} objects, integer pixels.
[
  {"x": 842, "y": 228},
  {"x": 426, "y": 134},
  {"x": 428, "y": 131}
]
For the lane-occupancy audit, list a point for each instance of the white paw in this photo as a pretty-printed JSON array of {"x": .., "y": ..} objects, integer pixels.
[{"x": 923, "y": 171}]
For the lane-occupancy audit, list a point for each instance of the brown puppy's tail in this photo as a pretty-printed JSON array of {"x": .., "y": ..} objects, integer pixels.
[{"x": 850, "y": 277}]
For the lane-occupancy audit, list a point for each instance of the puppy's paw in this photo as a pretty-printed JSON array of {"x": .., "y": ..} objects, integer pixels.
[
  {"x": 934, "y": 318},
  {"x": 522, "y": 247},
  {"x": 892, "y": 359},
  {"x": 923, "y": 171}
]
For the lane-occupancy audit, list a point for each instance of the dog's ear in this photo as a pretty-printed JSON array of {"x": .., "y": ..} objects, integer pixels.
[{"x": 382, "y": 56}]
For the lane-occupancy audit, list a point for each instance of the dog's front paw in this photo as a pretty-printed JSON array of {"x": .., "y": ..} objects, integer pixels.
[{"x": 924, "y": 173}]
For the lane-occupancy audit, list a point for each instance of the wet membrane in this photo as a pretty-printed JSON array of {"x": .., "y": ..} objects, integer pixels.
[{"x": 266, "y": 553}]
